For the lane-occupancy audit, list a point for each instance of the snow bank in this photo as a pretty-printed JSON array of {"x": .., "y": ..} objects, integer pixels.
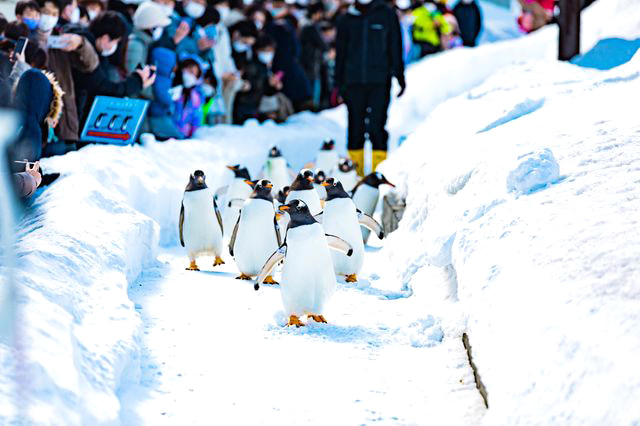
[{"x": 547, "y": 282}]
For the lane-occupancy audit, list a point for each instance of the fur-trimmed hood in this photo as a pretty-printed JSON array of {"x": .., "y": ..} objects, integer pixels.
[{"x": 57, "y": 104}]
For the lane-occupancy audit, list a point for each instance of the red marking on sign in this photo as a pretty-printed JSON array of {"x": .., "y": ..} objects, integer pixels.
[{"x": 108, "y": 135}]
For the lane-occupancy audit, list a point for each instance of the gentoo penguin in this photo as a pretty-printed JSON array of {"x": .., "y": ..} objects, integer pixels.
[
  {"x": 346, "y": 174},
  {"x": 366, "y": 195},
  {"x": 327, "y": 158},
  {"x": 308, "y": 279},
  {"x": 276, "y": 170},
  {"x": 341, "y": 218},
  {"x": 282, "y": 194},
  {"x": 236, "y": 193},
  {"x": 302, "y": 189},
  {"x": 318, "y": 179},
  {"x": 200, "y": 224}
]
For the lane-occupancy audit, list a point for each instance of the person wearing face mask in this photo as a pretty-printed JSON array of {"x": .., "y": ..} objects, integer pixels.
[
  {"x": 274, "y": 105},
  {"x": 149, "y": 22},
  {"x": 187, "y": 114},
  {"x": 93, "y": 8},
  {"x": 202, "y": 35},
  {"x": 161, "y": 108},
  {"x": 104, "y": 33},
  {"x": 368, "y": 56},
  {"x": 77, "y": 55},
  {"x": 69, "y": 13},
  {"x": 28, "y": 12}
]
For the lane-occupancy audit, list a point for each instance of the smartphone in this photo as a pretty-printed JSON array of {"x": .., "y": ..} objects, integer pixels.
[
  {"x": 151, "y": 70},
  {"x": 57, "y": 42},
  {"x": 21, "y": 45}
]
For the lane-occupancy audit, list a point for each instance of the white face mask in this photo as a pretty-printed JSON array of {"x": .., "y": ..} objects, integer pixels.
[
  {"x": 364, "y": 1},
  {"x": 239, "y": 46},
  {"x": 265, "y": 57},
  {"x": 157, "y": 33},
  {"x": 92, "y": 14},
  {"x": 208, "y": 90},
  {"x": 467, "y": 1},
  {"x": 110, "y": 51},
  {"x": 194, "y": 10},
  {"x": 223, "y": 11},
  {"x": 75, "y": 16},
  {"x": 167, "y": 9},
  {"x": 247, "y": 2},
  {"x": 188, "y": 80},
  {"x": 47, "y": 22},
  {"x": 258, "y": 25}
]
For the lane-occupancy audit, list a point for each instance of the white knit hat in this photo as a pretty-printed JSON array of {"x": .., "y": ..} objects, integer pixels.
[{"x": 150, "y": 15}]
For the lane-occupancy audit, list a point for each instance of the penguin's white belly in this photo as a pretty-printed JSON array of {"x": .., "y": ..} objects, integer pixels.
[
  {"x": 256, "y": 238},
  {"x": 366, "y": 200},
  {"x": 239, "y": 190},
  {"x": 200, "y": 230},
  {"x": 277, "y": 172},
  {"x": 321, "y": 190},
  {"x": 341, "y": 219},
  {"x": 310, "y": 198},
  {"x": 327, "y": 161},
  {"x": 308, "y": 280},
  {"x": 348, "y": 180}
]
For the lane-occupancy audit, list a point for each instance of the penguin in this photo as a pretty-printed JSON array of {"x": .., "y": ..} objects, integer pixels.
[
  {"x": 341, "y": 218},
  {"x": 302, "y": 189},
  {"x": 346, "y": 174},
  {"x": 308, "y": 279},
  {"x": 327, "y": 158},
  {"x": 200, "y": 224},
  {"x": 276, "y": 170},
  {"x": 236, "y": 193},
  {"x": 282, "y": 194},
  {"x": 366, "y": 194},
  {"x": 256, "y": 234},
  {"x": 318, "y": 179}
]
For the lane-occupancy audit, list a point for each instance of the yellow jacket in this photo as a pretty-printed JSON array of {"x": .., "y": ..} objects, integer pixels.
[{"x": 426, "y": 25}]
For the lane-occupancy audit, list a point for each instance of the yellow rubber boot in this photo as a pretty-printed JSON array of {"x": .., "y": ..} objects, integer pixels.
[
  {"x": 377, "y": 157},
  {"x": 357, "y": 156}
]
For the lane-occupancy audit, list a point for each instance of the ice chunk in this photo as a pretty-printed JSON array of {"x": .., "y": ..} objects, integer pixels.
[{"x": 535, "y": 171}]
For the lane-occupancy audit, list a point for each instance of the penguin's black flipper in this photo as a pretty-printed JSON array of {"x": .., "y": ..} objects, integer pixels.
[
  {"x": 218, "y": 215},
  {"x": 232, "y": 242},
  {"x": 277, "y": 229},
  {"x": 370, "y": 223},
  {"x": 339, "y": 244},
  {"x": 181, "y": 223},
  {"x": 271, "y": 264},
  {"x": 319, "y": 217}
]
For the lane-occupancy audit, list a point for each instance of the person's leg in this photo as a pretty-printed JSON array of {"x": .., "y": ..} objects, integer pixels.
[
  {"x": 378, "y": 101},
  {"x": 356, "y": 100}
]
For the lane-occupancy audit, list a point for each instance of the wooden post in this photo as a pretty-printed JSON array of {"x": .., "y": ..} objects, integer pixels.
[{"x": 569, "y": 25}]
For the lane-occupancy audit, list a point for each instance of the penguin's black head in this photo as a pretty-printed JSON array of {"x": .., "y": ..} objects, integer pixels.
[
  {"x": 319, "y": 177},
  {"x": 304, "y": 180},
  {"x": 283, "y": 193},
  {"x": 275, "y": 152},
  {"x": 261, "y": 189},
  {"x": 328, "y": 145},
  {"x": 334, "y": 189},
  {"x": 376, "y": 179},
  {"x": 345, "y": 165},
  {"x": 298, "y": 212},
  {"x": 197, "y": 180},
  {"x": 240, "y": 172}
]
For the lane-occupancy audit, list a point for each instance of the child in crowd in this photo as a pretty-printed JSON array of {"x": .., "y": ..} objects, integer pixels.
[{"x": 189, "y": 102}]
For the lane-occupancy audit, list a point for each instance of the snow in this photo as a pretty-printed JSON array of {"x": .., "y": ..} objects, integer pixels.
[
  {"x": 113, "y": 330},
  {"x": 535, "y": 171}
]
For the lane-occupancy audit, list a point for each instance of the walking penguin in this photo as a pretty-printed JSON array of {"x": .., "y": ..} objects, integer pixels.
[
  {"x": 366, "y": 195},
  {"x": 302, "y": 189}
]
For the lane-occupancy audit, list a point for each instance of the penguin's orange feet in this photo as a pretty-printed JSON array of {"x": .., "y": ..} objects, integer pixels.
[
  {"x": 218, "y": 261},
  {"x": 317, "y": 318},
  {"x": 270, "y": 280},
  {"x": 243, "y": 277},
  {"x": 351, "y": 278},
  {"x": 294, "y": 320},
  {"x": 193, "y": 266}
]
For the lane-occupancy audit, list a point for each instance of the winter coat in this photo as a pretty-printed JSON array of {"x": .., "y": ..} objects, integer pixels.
[
  {"x": 25, "y": 184},
  {"x": 429, "y": 25},
  {"x": 165, "y": 61},
  {"x": 137, "y": 49},
  {"x": 295, "y": 84},
  {"x": 369, "y": 46},
  {"x": 313, "y": 50},
  {"x": 246, "y": 103},
  {"x": 97, "y": 83},
  {"x": 469, "y": 22},
  {"x": 188, "y": 111}
]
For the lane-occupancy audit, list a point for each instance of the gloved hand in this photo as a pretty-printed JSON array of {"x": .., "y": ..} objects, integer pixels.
[{"x": 403, "y": 86}]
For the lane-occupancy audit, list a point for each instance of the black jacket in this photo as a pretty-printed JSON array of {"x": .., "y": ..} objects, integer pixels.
[
  {"x": 469, "y": 21},
  {"x": 313, "y": 48},
  {"x": 369, "y": 46}
]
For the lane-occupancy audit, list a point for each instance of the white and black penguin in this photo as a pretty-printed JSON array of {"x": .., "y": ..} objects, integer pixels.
[
  {"x": 237, "y": 192},
  {"x": 327, "y": 158},
  {"x": 256, "y": 234},
  {"x": 341, "y": 218},
  {"x": 200, "y": 224},
  {"x": 346, "y": 174},
  {"x": 276, "y": 170},
  {"x": 366, "y": 194},
  {"x": 308, "y": 279},
  {"x": 302, "y": 189},
  {"x": 318, "y": 179}
]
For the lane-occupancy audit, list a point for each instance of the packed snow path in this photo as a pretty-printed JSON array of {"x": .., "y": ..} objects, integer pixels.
[{"x": 214, "y": 349}]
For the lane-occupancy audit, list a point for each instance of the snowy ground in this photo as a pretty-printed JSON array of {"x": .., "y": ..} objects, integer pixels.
[{"x": 112, "y": 330}]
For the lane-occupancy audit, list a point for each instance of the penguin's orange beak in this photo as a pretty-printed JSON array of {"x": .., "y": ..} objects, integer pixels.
[
  {"x": 231, "y": 167},
  {"x": 268, "y": 186},
  {"x": 310, "y": 179},
  {"x": 325, "y": 184},
  {"x": 283, "y": 208},
  {"x": 248, "y": 182}
]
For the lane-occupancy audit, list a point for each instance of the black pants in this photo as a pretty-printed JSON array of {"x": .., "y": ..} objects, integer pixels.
[{"x": 372, "y": 101}]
